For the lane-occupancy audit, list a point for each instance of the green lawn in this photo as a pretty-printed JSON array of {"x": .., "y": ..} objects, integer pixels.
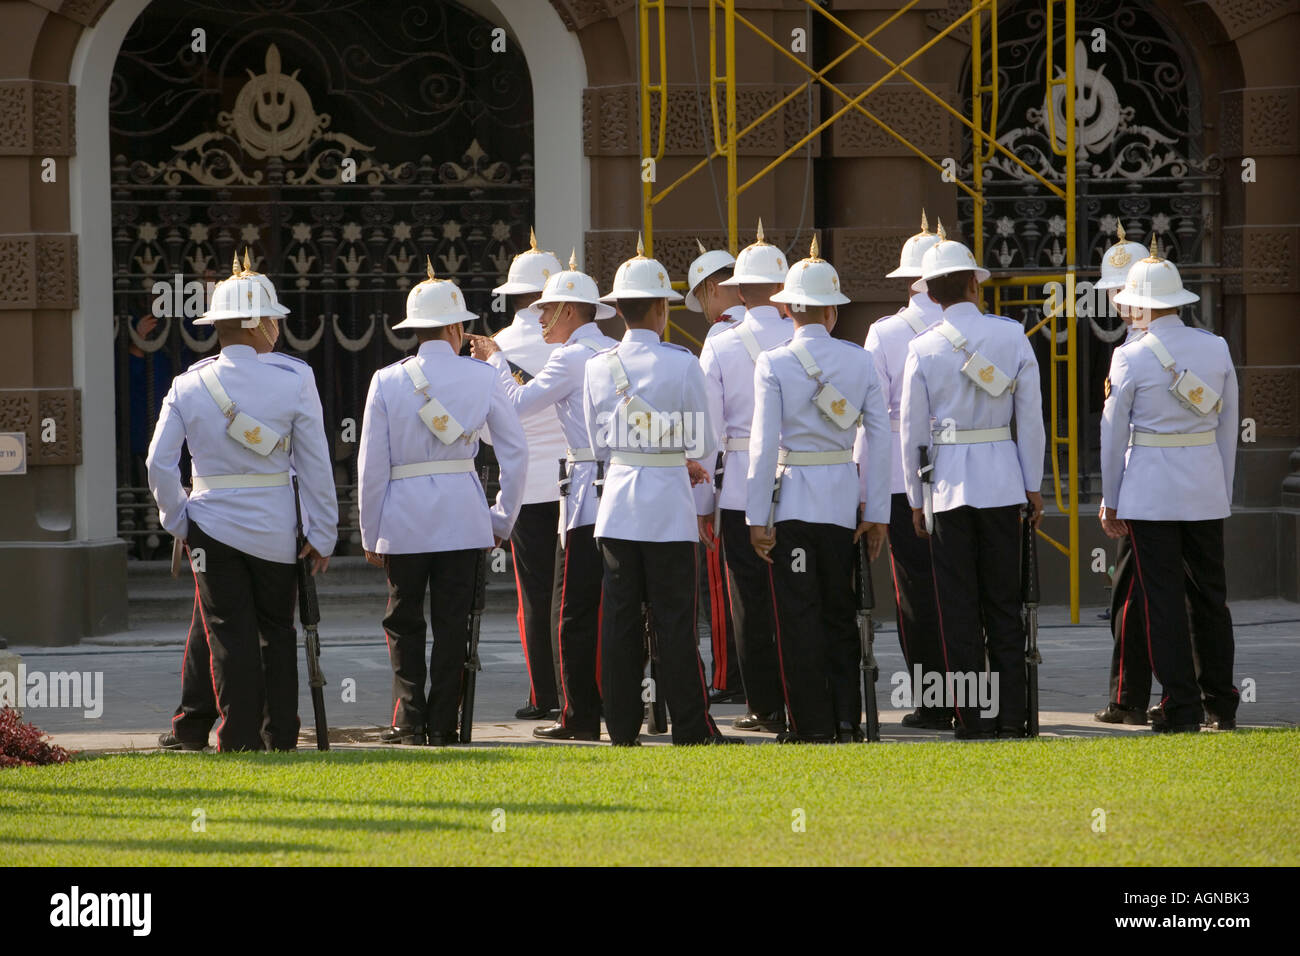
[{"x": 1207, "y": 800}]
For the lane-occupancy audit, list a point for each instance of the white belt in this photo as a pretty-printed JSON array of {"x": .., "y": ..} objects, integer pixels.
[
  {"x": 737, "y": 444},
  {"x": 661, "y": 459},
  {"x": 1172, "y": 440},
  {"x": 895, "y": 425},
  {"x": 787, "y": 457},
  {"x": 211, "y": 482},
  {"x": 574, "y": 455},
  {"x": 447, "y": 466},
  {"x": 974, "y": 436}
]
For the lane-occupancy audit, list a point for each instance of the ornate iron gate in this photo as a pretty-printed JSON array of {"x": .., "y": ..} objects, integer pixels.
[
  {"x": 1139, "y": 159},
  {"x": 254, "y": 143}
]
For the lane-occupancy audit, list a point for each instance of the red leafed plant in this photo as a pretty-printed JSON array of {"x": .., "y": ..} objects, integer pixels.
[{"x": 24, "y": 745}]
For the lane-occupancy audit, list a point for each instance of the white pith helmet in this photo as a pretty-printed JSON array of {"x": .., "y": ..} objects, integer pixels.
[
  {"x": 1154, "y": 283},
  {"x": 244, "y": 295},
  {"x": 946, "y": 257},
  {"x": 530, "y": 270},
  {"x": 812, "y": 281},
  {"x": 1118, "y": 260},
  {"x": 641, "y": 278},
  {"x": 759, "y": 264},
  {"x": 573, "y": 286},
  {"x": 706, "y": 263},
  {"x": 434, "y": 303},
  {"x": 914, "y": 250}
]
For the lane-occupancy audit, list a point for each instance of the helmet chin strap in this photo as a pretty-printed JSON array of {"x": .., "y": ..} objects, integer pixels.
[
  {"x": 555, "y": 317},
  {"x": 261, "y": 327}
]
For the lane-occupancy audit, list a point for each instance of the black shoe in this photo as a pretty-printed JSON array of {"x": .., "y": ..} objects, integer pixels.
[
  {"x": 789, "y": 737},
  {"x": 402, "y": 735},
  {"x": 448, "y": 739},
  {"x": 169, "y": 741},
  {"x": 1011, "y": 733},
  {"x": 635, "y": 742},
  {"x": 532, "y": 712},
  {"x": 726, "y": 697},
  {"x": 773, "y": 723},
  {"x": 1220, "y": 723},
  {"x": 972, "y": 733},
  {"x": 927, "y": 721},
  {"x": 1113, "y": 713},
  {"x": 1164, "y": 727},
  {"x": 849, "y": 733},
  {"x": 560, "y": 732},
  {"x": 719, "y": 739},
  {"x": 1156, "y": 714}
]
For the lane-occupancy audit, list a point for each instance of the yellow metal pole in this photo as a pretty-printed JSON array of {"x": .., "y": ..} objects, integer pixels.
[
  {"x": 733, "y": 196},
  {"x": 643, "y": 49},
  {"x": 977, "y": 127},
  {"x": 1072, "y": 368}
]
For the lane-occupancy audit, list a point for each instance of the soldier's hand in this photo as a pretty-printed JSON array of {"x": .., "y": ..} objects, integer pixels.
[
  {"x": 706, "y": 531},
  {"x": 877, "y": 534},
  {"x": 481, "y": 346},
  {"x": 918, "y": 523},
  {"x": 317, "y": 561},
  {"x": 698, "y": 475},
  {"x": 1035, "y": 507},
  {"x": 763, "y": 542},
  {"x": 1111, "y": 524},
  {"x": 497, "y": 541},
  {"x": 376, "y": 559}
]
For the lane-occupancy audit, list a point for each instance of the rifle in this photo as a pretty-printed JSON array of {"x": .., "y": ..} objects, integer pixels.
[
  {"x": 867, "y": 638},
  {"x": 717, "y": 491},
  {"x": 1029, "y": 595},
  {"x": 309, "y": 617},
  {"x": 564, "y": 499},
  {"x": 656, "y": 713},
  {"x": 472, "y": 663},
  {"x": 926, "y": 473},
  {"x": 776, "y": 498}
]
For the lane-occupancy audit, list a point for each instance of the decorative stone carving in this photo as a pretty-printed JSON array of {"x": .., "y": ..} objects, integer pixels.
[
  {"x": 577, "y": 14},
  {"x": 907, "y": 110},
  {"x": 1271, "y": 396},
  {"x": 24, "y": 409},
  {"x": 1270, "y": 119},
  {"x": 1240, "y": 17},
  {"x": 37, "y": 118},
  {"x": 1233, "y": 283},
  {"x": 863, "y": 256},
  {"x": 17, "y": 272},
  {"x": 56, "y": 272},
  {"x": 1230, "y": 142},
  {"x": 611, "y": 121},
  {"x": 15, "y": 117},
  {"x": 85, "y": 12},
  {"x": 1270, "y": 260},
  {"x": 940, "y": 19}
]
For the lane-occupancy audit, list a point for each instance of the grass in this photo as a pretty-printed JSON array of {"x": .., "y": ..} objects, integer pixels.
[{"x": 1206, "y": 800}]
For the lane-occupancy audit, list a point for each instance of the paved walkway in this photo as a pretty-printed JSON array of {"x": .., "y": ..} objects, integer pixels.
[{"x": 140, "y": 673}]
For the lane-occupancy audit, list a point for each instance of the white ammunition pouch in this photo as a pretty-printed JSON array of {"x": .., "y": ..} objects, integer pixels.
[
  {"x": 244, "y": 428},
  {"x": 1188, "y": 388},
  {"x": 828, "y": 399},
  {"x": 435, "y": 416},
  {"x": 982, "y": 373},
  {"x": 639, "y": 414}
]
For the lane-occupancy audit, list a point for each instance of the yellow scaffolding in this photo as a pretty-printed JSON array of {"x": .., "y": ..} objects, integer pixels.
[{"x": 1006, "y": 289}]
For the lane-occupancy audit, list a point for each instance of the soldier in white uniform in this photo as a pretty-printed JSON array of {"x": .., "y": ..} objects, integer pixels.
[
  {"x": 247, "y": 423},
  {"x": 728, "y": 363},
  {"x": 909, "y": 555},
  {"x": 645, "y": 406},
  {"x": 568, "y": 309},
  {"x": 722, "y": 310},
  {"x": 424, "y": 516},
  {"x": 1130, "y": 665},
  {"x": 1168, "y": 452},
  {"x": 533, "y": 541},
  {"x": 808, "y": 503},
  {"x": 963, "y": 382}
]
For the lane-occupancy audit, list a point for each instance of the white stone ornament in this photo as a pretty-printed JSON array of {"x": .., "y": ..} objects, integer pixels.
[
  {"x": 759, "y": 264},
  {"x": 530, "y": 270},
  {"x": 434, "y": 303},
  {"x": 245, "y": 295}
]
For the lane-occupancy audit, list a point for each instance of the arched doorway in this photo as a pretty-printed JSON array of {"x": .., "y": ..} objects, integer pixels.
[{"x": 341, "y": 145}]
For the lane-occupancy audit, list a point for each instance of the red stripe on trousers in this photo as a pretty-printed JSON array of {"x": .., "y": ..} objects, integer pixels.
[
  {"x": 1123, "y": 634},
  {"x": 185, "y": 659},
  {"x": 1146, "y": 613},
  {"x": 212, "y": 667},
  {"x": 519, "y": 620},
  {"x": 717, "y": 618},
  {"x": 559, "y": 633}
]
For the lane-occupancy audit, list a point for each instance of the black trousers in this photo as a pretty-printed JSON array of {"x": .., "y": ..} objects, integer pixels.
[
  {"x": 918, "y": 615},
  {"x": 578, "y": 574},
  {"x": 725, "y": 659},
  {"x": 1130, "y": 665},
  {"x": 976, "y": 554},
  {"x": 197, "y": 712},
  {"x": 817, "y": 629},
  {"x": 662, "y": 574},
  {"x": 533, "y": 544},
  {"x": 448, "y": 576},
  {"x": 247, "y": 605},
  {"x": 1183, "y": 586},
  {"x": 750, "y": 588}
]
